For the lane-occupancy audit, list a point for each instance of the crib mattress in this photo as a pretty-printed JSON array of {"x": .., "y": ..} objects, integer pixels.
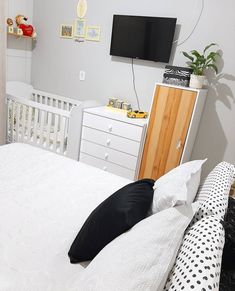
[{"x": 44, "y": 200}]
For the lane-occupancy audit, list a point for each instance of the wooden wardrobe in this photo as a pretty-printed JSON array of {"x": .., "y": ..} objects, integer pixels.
[{"x": 173, "y": 124}]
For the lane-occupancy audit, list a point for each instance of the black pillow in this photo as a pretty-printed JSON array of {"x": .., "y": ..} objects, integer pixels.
[
  {"x": 228, "y": 261},
  {"x": 117, "y": 214},
  {"x": 227, "y": 277}
]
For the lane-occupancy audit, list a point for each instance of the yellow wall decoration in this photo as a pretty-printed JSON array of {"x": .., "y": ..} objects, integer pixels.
[{"x": 82, "y": 8}]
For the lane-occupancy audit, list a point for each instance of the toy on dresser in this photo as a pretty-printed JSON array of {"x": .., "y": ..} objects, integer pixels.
[
  {"x": 124, "y": 107},
  {"x": 119, "y": 104}
]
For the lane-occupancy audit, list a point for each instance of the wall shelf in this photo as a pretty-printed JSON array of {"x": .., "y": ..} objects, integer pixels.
[{"x": 21, "y": 36}]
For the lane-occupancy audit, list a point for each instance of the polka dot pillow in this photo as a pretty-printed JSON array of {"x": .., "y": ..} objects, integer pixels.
[
  {"x": 213, "y": 193},
  {"x": 198, "y": 263}
]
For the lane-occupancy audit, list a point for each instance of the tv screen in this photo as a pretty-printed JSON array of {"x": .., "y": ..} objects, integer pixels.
[{"x": 140, "y": 37}]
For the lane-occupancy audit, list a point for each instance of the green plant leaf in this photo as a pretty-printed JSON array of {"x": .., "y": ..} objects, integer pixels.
[
  {"x": 188, "y": 56},
  {"x": 214, "y": 67},
  {"x": 196, "y": 54},
  {"x": 209, "y": 46}
]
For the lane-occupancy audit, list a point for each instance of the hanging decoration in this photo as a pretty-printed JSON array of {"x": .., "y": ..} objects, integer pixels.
[{"x": 82, "y": 8}]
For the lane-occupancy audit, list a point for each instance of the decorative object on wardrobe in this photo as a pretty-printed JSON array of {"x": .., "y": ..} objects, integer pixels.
[
  {"x": 82, "y": 8},
  {"x": 199, "y": 62},
  {"x": 113, "y": 142},
  {"x": 178, "y": 76},
  {"x": 173, "y": 125}
]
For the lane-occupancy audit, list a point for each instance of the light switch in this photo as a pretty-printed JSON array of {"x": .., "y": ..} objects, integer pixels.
[{"x": 82, "y": 75}]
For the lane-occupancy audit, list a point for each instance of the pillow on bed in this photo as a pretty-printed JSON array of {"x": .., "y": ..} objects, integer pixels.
[
  {"x": 227, "y": 278},
  {"x": 197, "y": 266},
  {"x": 115, "y": 215},
  {"x": 177, "y": 187},
  {"x": 214, "y": 192},
  {"x": 228, "y": 261},
  {"x": 141, "y": 258}
]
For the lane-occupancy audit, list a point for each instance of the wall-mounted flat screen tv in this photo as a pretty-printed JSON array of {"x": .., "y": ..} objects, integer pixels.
[{"x": 140, "y": 37}]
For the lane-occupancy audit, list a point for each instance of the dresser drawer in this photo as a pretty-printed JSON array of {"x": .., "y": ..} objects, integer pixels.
[
  {"x": 109, "y": 155},
  {"x": 119, "y": 128},
  {"x": 107, "y": 166},
  {"x": 111, "y": 141}
]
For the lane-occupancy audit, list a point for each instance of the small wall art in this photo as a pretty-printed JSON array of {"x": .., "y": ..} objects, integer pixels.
[
  {"x": 82, "y": 8},
  {"x": 80, "y": 28},
  {"x": 93, "y": 33},
  {"x": 66, "y": 31}
]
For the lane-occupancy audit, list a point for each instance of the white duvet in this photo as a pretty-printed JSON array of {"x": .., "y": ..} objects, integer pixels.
[{"x": 44, "y": 201}]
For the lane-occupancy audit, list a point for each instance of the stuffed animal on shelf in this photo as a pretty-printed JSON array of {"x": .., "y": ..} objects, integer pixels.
[
  {"x": 28, "y": 30},
  {"x": 10, "y": 22}
]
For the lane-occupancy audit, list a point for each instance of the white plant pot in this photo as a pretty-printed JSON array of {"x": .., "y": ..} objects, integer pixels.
[{"x": 196, "y": 81}]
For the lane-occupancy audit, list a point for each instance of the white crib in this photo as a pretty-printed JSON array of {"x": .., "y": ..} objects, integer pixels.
[{"x": 45, "y": 120}]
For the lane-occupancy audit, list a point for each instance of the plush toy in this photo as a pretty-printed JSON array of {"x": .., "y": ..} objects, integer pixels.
[
  {"x": 10, "y": 22},
  {"x": 28, "y": 30}
]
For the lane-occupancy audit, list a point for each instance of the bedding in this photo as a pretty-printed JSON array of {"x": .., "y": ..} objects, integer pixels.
[
  {"x": 197, "y": 266},
  {"x": 139, "y": 260},
  {"x": 114, "y": 216},
  {"x": 44, "y": 200},
  {"x": 177, "y": 187},
  {"x": 214, "y": 192}
]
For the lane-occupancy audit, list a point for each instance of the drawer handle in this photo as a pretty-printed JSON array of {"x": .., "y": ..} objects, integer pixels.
[
  {"x": 106, "y": 156},
  {"x": 110, "y": 128},
  {"x": 108, "y": 142},
  {"x": 105, "y": 168}
]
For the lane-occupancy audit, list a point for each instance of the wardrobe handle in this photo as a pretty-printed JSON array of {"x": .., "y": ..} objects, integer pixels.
[
  {"x": 105, "y": 168},
  {"x": 108, "y": 142},
  {"x": 106, "y": 156},
  {"x": 179, "y": 145}
]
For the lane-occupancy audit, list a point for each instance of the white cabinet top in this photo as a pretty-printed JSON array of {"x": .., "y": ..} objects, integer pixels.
[{"x": 119, "y": 116}]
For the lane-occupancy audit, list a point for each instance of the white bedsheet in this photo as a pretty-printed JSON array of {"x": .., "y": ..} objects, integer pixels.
[{"x": 44, "y": 200}]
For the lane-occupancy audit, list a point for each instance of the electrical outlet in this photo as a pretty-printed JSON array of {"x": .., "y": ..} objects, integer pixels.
[{"x": 82, "y": 75}]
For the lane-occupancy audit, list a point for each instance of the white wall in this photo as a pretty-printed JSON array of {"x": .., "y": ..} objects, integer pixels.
[
  {"x": 19, "y": 50},
  {"x": 2, "y": 72},
  {"x": 57, "y": 62}
]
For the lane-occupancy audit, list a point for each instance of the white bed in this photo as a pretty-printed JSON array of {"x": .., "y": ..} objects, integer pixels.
[{"x": 45, "y": 199}]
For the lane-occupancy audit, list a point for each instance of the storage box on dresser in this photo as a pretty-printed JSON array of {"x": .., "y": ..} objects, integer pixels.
[{"x": 112, "y": 142}]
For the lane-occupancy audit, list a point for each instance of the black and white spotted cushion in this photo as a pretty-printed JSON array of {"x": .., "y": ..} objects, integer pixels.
[
  {"x": 213, "y": 193},
  {"x": 198, "y": 263}
]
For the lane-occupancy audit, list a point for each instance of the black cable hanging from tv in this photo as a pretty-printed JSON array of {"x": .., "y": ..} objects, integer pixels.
[{"x": 134, "y": 83}]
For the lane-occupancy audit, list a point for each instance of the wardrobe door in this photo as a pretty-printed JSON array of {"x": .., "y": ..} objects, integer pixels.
[{"x": 168, "y": 127}]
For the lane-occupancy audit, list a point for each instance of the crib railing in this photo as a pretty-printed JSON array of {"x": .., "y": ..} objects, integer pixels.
[
  {"x": 54, "y": 100},
  {"x": 37, "y": 124}
]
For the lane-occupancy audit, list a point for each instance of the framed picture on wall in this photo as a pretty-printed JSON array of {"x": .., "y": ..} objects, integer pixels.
[
  {"x": 93, "y": 33},
  {"x": 80, "y": 28},
  {"x": 66, "y": 31}
]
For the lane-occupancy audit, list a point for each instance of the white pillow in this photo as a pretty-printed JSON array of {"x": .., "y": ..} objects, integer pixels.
[
  {"x": 177, "y": 187},
  {"x": 141, "y": 258}
]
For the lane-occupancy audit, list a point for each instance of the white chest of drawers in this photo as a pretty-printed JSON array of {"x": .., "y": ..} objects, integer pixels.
[{"x": 112, "y": 142}]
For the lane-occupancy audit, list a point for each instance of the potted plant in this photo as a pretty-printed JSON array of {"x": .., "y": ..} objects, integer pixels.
[{"x": 199, "y": 63}]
